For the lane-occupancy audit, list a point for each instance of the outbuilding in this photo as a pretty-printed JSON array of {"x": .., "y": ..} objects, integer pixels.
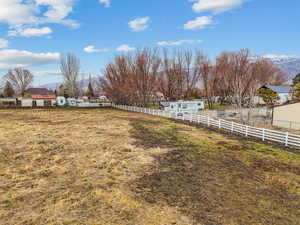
[
  {"x": 38, "y": 97},
  {"x": 8, "y": 102},
  {"x": 287, "y": 116}
]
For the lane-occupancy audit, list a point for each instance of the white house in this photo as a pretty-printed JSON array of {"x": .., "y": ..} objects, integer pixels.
[
  {"x": 284, "y": 93},
  {"x": 38, "y": 97}
]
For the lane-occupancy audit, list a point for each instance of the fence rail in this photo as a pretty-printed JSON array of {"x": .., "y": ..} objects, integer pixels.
[{"x": 286, "y": 138}]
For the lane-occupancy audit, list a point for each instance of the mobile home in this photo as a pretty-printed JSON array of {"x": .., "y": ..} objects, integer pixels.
[{"x": 183, "y": 107}]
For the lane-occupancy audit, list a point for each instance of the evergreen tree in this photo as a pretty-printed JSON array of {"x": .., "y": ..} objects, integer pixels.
[
  {"x": 269, "y": 96},
  {"x": 296, "y": 79},
  {"x": 296, "y": 92},
  {"x": 8, "y": 91},
  {"x": 90, "y": 91}
]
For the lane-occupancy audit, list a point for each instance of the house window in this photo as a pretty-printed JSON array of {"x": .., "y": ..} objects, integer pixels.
[
  {"x": 184, "y": 106},
  {"x": 34, "y": 103}
]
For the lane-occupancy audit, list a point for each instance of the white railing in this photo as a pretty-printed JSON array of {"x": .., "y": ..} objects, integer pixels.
[{"x": 286, "y": 138}]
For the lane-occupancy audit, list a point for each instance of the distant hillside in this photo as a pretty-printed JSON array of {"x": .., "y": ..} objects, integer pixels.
[{"x": 53, "y": 86}]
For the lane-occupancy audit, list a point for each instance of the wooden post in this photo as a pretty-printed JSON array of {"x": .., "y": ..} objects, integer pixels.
[{"x": 287, "y": 139}]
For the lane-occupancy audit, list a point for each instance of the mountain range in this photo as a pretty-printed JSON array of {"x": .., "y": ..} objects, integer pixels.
[
  {"x": 53, "y": 86},
  {"x": 291, "y": 65}
]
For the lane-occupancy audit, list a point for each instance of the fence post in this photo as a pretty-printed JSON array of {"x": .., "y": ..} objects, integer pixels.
[
  {"x": 247, "y": 131},
  {"x": 219, "y": 123},
  {"x": 232, "y": 126},
  {"x": 263, "y": 134},
  {"x": 287, "y": 139},
  {"x": 208, "y": 121}
]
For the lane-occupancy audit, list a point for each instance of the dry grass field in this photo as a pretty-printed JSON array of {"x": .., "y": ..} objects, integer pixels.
[{"x": 108, "y": 167}]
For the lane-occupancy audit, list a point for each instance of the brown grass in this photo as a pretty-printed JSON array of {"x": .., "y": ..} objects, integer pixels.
[{"x": 120, "y": 168}]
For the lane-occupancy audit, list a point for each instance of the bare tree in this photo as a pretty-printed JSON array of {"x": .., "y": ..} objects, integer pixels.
[
  {"x": 20, "y": 79},
  {"x": 208, "y": 77},
  {"x": 115, "y": 81},
  {"x": 171, "y": 77},
  {"x": 132, "y": 79},
  {"x": 235, "y": 77},
  {"x": 192, "y": 73},
  {"x": 70, "y": 66},
  {"x": 240, "y": 75},
  {"x": 180, "y": 75},
  {"x": 144, "y": 66},
  {"x": 8, "y": 90}
]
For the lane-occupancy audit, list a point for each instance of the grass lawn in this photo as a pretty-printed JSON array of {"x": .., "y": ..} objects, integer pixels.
[
  {"x": 218, "y": 106},
  {"x": 110, "y": 167}
]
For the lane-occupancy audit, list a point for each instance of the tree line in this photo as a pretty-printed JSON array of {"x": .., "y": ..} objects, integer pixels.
[
  {"x": 233, "y": 77},
  {"x": 136, "y": 78},
  {"x": 18, "y": 80}
]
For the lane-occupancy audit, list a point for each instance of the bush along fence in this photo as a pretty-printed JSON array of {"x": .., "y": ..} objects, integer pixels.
[{"x": 286, "y": 138}]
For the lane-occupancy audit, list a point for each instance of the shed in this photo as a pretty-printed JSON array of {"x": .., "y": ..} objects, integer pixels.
[{"x": 287, "y": 116}]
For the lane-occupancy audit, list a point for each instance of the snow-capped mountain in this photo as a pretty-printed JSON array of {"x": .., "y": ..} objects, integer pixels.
[{"x": 289, "y": 64}]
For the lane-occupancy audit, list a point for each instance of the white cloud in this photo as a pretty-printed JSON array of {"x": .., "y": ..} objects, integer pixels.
[
  {"x": 3, "y": 43},
  {"x": 216, "y": 6},
  {"x": 31, "y": 32},
  {"x": 11, "y": 58},
  {"x": 42, "y": 73},
  {"x": 180, "y": 42},
  {"x": 106, "y": 3},
  {"x": 198, "y": 23},
  {"x": 18, "y": 13},
  {"x": 125, "y": 48},
  {"x": 139, "y": 24},
  {"x": 93, "y": 49}
]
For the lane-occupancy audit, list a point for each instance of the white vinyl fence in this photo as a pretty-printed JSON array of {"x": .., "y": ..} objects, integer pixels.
[{"x": 286, "y": 138}]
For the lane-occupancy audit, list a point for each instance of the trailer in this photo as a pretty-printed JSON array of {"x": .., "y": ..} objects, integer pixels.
[{"x": 183, "y": 107}]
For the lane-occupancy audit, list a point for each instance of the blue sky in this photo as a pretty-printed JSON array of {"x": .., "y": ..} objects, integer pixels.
[{"x": 34, "y": 32}]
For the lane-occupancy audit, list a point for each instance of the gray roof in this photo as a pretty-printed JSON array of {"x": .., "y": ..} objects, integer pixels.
[
  {"x": 279, "y": 89},
  {"x": 39, "y": 91}
]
